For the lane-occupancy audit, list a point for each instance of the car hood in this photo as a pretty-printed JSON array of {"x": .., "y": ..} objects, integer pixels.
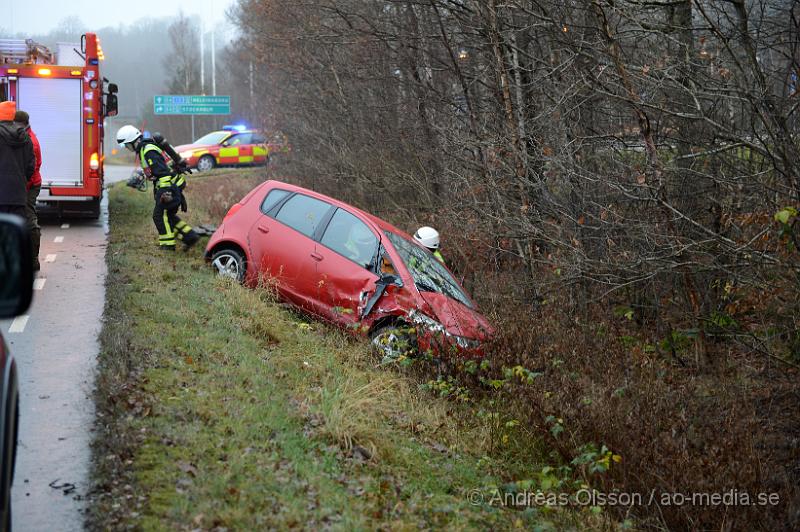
[
  {"x": 187, "y": 147},
  {"x": 457, "y": 318}
]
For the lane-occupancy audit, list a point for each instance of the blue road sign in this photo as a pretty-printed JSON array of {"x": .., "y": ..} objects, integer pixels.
[{"x": 184, "y": 104}]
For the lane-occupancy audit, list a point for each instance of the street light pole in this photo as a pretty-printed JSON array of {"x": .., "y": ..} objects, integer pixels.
[
  {"x": 213, "y": 56},
  {"x": 202, "y": 59}
]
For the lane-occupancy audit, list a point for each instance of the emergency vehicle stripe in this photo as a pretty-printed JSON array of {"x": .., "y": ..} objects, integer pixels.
[{"x": 246, "y": 159}]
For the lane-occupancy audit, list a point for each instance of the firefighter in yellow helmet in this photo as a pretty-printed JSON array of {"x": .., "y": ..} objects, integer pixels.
[{"x": 168, "y": 187}]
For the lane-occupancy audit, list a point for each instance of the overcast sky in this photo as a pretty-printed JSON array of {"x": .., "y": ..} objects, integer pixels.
[{"x": 40, "y": 16}]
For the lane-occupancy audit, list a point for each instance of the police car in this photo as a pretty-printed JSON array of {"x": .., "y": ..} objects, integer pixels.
[{"x": 231, "y": 146}]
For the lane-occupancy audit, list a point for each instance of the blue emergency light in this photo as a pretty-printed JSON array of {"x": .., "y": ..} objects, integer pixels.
[{"x": 238, "y": 127}]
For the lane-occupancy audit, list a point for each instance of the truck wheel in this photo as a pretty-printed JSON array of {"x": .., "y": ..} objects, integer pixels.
[
  {"x": 95, "y": 209},
  {"x": 206, "y": 163}
]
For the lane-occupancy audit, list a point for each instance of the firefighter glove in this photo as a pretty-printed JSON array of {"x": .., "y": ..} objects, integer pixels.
[
  {"x": 166, "y": 197},
  {"x": 184, "y": 205}
]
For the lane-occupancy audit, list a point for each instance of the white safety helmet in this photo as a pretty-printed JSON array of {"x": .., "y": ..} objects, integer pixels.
[
  {"x": 127, "y": 135},
  {"x": 428, "y": 237}
]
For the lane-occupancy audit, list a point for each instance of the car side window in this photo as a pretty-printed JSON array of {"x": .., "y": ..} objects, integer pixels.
[
  {"x": 350, "y": 237},
  {"x": 258, "y": 139},
  {"x": 241, "y": 138},
  {"x": 303, "y": 213},
  {"x": 273, "y": 198}
]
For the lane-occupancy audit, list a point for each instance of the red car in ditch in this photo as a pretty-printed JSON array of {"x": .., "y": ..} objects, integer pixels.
[{"x": 347, "y": 267}]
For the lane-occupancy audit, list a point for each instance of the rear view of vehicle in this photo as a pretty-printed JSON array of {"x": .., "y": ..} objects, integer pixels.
[{"x": 66, "y": 98}]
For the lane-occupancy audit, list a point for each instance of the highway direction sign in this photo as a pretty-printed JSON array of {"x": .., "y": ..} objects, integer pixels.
[{"x": 184, "y": 104}]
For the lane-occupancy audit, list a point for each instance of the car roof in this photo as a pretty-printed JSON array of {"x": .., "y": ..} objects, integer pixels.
[{"x": 381, "y": 224}]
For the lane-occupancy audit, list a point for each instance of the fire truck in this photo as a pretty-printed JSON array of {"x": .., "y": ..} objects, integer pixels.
[{"x": 68, "y": 101}]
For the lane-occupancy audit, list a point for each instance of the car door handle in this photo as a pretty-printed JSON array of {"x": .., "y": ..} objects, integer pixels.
[
  {"x": 263, "y": 228},
  {"x": 316, "y": 256}
]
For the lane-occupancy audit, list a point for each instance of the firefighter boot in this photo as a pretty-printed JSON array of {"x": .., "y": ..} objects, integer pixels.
[{"x": 190, "y": 239}]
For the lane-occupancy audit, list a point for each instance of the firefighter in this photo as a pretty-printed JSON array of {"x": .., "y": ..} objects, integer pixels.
[
  {"x": 429, "y": 237},
  {"x": 168, "y": 188},
  {"x": 34, "y": 187}
]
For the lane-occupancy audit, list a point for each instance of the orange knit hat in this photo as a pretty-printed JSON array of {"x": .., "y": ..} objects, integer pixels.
[{"x": 8, "y": 110}]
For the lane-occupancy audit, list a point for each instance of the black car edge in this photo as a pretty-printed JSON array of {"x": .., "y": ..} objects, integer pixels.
[{"x": 16, "y": 289}]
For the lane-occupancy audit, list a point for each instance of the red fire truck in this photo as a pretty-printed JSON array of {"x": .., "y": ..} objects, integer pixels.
[{"x": 67, "y": 100}]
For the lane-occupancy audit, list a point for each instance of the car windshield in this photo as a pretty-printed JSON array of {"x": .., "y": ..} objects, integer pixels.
[
  {"x": 212, "y": 138},
  {"x": 428, "y": 273}
]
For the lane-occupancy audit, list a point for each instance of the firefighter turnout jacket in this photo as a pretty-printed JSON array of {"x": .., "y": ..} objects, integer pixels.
[{"x": 156, "y": 168}]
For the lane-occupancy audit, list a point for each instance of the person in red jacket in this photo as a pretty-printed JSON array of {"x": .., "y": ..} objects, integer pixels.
[{"x": 34, "y": 187}]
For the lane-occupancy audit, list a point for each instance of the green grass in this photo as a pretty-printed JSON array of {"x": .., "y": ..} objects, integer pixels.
[{"x": 218, "y": 408}]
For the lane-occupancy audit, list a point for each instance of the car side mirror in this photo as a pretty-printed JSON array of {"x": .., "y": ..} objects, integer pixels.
[
  {"x": 112, "y": 88},
  {"x": 387, "y": 279},
  {"x": 16, "y": 266}
]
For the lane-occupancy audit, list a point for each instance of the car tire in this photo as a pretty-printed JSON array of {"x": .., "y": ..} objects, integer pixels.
[
  {"x": 229, "y": 263},
  {"x": 393, "y": 341},
  {"x": 206, "y": 163}
]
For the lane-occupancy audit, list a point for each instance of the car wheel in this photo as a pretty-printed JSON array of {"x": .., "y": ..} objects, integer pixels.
[
  {"x": 206, "y": 163},
  {"x": 229, "y": 263},
  {"x": 394, "y": 341}
]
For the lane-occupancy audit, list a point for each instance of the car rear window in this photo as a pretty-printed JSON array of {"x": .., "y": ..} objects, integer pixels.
[
  {"x": 350, "y": 237},
  {"x": 303, "y": 213},
  {"x": 273, "y": 198}
]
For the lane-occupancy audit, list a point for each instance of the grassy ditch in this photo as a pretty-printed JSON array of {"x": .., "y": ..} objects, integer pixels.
[{"x": 219, "y": 409}]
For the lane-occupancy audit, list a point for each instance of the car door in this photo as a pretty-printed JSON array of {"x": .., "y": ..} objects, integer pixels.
[
  {"x": 282, "y": 244},
  {"x": 345, "y": 269},
  {"x": 259, "y": 144},
  {"x": 229, "y": 150},
  {"x": 244, "y": 142}
]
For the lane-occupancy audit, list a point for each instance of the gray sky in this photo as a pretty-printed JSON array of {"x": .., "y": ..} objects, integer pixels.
[{"x": 40, "y": 16}]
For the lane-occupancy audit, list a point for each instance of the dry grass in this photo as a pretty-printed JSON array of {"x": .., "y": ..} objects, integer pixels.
[{"x": 679, "y": 427}]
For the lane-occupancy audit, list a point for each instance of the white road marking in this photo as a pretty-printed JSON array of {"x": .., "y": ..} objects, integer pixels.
[
  {"x": 50, "y": 258},
  {"x": 19, "y": 323},
  {"x": 58, "y": 239},
  {"x": 64, "y": 226},
  {"x": 38, "y": 284}
]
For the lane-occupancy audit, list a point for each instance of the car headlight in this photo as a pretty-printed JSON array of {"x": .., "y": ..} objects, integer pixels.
[
  {"x": 429, "y": 323},
  {"x": 186, "y": 154}
]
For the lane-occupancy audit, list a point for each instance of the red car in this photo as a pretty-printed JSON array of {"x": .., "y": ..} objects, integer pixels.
[
  {"x": 348, "y": 267},
  {"x": 232, "y": 146}
]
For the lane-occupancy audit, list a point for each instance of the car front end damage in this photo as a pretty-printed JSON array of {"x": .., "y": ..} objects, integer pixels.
[{"x": 434, "y": 336}]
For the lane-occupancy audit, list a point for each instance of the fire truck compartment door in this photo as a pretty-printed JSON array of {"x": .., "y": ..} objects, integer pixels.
[{"x": 54, "y": 105}]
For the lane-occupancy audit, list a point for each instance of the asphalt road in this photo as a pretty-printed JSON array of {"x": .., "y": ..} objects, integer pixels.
[{"x": 55, "y": 346}]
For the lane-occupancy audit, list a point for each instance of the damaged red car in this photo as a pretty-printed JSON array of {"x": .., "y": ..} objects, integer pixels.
[{"x": 348, "y": 267}]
